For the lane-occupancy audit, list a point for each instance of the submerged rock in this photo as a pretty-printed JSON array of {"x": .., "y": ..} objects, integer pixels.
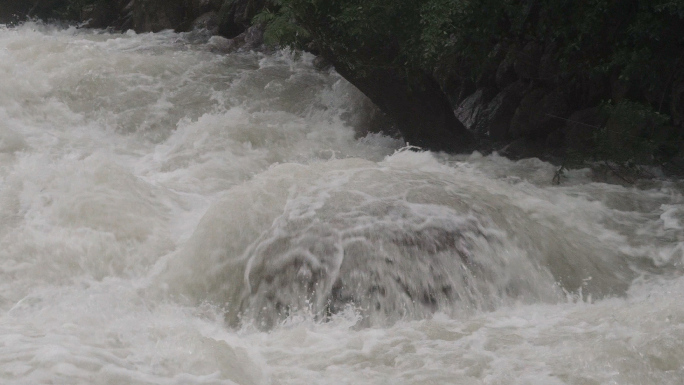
[
  {"x": 389, "y": 244},
  {"x": 382, "y": 260}
]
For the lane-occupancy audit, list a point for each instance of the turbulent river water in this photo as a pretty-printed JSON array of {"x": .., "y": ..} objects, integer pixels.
[{"x": 171, "y": 214}]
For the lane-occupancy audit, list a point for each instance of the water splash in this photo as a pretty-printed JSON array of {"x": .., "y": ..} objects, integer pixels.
[{"x": 161, "y": 204}]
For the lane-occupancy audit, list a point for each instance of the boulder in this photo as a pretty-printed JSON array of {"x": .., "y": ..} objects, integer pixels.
[
  {"x": 468, "y": 111},
  {"x": 551, "y": 113},
  {"x": 251, "y": 39},
  {"x": 505, "y": 73},
  {"x": 106, "y": 14},
  {"x": 321, "y": 64},
  {"x": 201, "y": 7},
  {"x": 209, "y": 21},
  {"x": 489, "y": 68},
  {"x": 526, "y": 63},
  {"x": 495, "y": 119},
  {"x": 523, "y": 148},
  {"x": 235, "y": 16},
  {"x": 453, "y": 75},
  {"x": 581, "y": 126},
  {"x": 158, "y": 15},
  {"x": 556, "y": 138},
  {"x": 549, "y": 68},
  {"x": 539, "y": 113},
  {"x": 618, "y": 88},
  {"x": 520, "y": 121}
]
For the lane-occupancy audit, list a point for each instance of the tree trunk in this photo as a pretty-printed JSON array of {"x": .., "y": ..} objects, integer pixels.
[{"x": 420, "y": 109}]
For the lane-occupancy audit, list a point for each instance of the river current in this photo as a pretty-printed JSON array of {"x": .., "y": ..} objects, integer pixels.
[{"x": 172, "y": 214}]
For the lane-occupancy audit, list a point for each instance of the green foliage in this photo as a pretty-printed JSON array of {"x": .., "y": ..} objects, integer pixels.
[
  {"x": 637, "y": 39},
  {"x": 281, "y": 27},
  {"x": 360, "y": 34},
  {"x": 634, "y": 136},
  {"x": 631, "y": 135},
  {"x": 636, "y": 44}
]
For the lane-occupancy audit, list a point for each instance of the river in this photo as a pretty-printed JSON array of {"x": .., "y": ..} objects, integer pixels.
[{"x": 171, "y": 214}]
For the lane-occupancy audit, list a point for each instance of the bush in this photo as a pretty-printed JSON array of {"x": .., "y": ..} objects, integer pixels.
[
  {"x": 635, "y": 45},
  {"x": 633, "y": 135}
]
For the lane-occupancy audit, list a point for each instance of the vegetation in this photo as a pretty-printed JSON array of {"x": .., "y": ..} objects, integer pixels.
[
  {"x": 624, "y": 56},
  {"x": 638, "y": 40},
  {"x": 635, "y": 46}
]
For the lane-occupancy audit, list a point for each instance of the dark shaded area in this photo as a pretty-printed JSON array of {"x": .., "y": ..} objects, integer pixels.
[
  {"x": 516, "y": 71},
  {"x": 366, "y": 42},
  {"x": 139, "y": 15},
  {"x": 599, "y": 80},
  {"x": 236, "y": 16},
  {"x": 420, "y": 110}
]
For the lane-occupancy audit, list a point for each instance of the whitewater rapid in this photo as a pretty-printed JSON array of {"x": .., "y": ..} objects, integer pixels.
[{"x": 173, "y": 214}]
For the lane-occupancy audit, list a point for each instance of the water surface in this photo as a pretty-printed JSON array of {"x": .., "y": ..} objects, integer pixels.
[{"x": 171, "y": 214}]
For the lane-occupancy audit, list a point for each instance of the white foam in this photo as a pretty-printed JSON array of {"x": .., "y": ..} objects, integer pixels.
[{"x": 148, "y": 184}]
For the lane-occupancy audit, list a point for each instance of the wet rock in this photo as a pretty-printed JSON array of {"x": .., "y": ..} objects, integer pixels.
[
  {"x": 208, "y": 21},
  {"x": 618, "y": 88},
  {"x": 468, "y": 112},
  {"x": 321, "y": 64},
  {"x": 505, "y": 74},
  {"x": 555, "y": 139},
  {"x": 540, "y": 112},
  {"x": 388, "y": 272},
  {"x": 454, "y": 81},
  {"x": 521, "y": 118},
  {"x": 675, "y": 165},
  {"x": 223, "y": 45},
  {"x": 495, "y": 119},
  {"x": 157, "y": 15},
  {"x": 581, "y": 127},
  {"x": 470, "y": 108},
  {"x": 252, "y": 39},
  {"x": 523, "y": 148},
  {"x": 550, "y": 114},
  {"x": 548, "y": 68},
  {"x": 201, "y": 7},
  {"x": 586, "y": 90},
  {"x": 490, "y": 67},
  {"x": 235, "y": 16},
  {"x": 104, "y": 14},
  {"x": 527, "y": 61}
]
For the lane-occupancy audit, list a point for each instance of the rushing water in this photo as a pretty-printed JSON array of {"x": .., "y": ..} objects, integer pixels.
[{"x": 171, "y": 214}]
